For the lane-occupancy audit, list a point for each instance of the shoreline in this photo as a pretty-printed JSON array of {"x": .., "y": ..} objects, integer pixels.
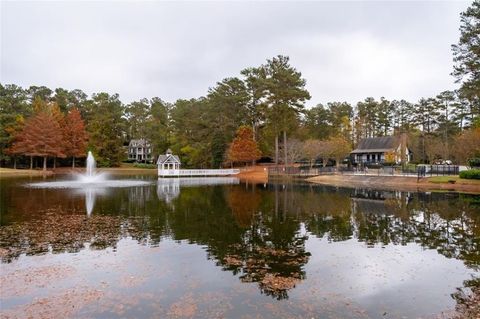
[
  {"x": 253, "y": 174},
  {"x": 399, "y": 183},
  {"x": 259, "y": 175},
  {"x": 10, "y": 172}
]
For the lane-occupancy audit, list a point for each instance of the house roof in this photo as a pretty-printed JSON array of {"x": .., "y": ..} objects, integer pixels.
[
  {"x": 377, "y": 144},
  {"x": 168, "y": 158},
  {"x": 139, "y": 143}
]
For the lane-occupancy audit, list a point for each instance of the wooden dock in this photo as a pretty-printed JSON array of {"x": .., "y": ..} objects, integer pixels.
[{"x": 196, "y": 172}]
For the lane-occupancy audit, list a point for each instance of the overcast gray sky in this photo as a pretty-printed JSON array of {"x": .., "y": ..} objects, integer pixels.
[{"x": 345, "y": 50}]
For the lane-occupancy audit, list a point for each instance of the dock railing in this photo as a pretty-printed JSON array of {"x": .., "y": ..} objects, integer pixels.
[{"x": 197, "y": 172}]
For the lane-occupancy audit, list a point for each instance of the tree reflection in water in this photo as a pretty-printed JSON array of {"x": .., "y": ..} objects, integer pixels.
[{"x": 256, "y": 232}]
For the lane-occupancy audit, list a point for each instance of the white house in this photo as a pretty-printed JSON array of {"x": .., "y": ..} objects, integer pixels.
[{"x": 140, "y": 151}]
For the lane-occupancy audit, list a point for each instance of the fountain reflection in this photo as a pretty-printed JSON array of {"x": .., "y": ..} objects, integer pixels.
[
  {"x": 257, "y": 233},
  {"x": 91, "y": 183},
  {"x": 90, "y": 194},
  {"x": 89, "y": 200}
]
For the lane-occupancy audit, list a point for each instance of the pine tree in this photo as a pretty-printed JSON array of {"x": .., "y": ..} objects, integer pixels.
[
  {"x": 285, "y": 98},
  {"x": 74, "y": 135},
  {"x": 466, "y": 55},
  {"x": 13, "y": 110},
  {"x": 106, "y": 128}
]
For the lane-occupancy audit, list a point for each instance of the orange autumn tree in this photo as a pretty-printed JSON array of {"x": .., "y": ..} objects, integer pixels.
[
  {"x": 74, "y": 135},
  {"x": 243, "y": 147},
  {"x": 14, "y": 130},
  {"x": 41, "y": 136}
]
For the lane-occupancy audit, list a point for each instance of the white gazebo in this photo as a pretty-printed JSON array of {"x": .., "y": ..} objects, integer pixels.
[{"x": 168, "y": 164}]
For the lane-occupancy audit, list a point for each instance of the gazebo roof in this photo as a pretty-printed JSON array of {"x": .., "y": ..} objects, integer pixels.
[{"x": 168, "y": 158}]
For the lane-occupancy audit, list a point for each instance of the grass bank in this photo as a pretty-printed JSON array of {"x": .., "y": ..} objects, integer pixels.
[
  {"x": 8, "y": 172},
  {"x": 452, "y": 180}
]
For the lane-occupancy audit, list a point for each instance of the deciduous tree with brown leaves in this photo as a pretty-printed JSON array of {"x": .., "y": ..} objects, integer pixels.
[
  {"x": 41, "y": 136},
  {"x": 467, "y": 145},
  {"x": 312, "y": 149},
  {"x": 243, "y": 148},
  {"x": 74, "y": 135}
]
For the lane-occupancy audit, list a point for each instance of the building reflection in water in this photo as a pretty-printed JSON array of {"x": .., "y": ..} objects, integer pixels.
[
  {"x": 169, "y": 188},
  {"x": 257, "y": 232}
]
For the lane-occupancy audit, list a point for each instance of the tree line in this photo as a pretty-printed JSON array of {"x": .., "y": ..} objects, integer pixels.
[{"x": 270, "y": 100}]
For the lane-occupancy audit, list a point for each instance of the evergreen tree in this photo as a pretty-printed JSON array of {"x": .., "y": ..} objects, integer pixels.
[
  {"x": 106, "y": 128},
  {"x": 366, "y": 120},
  {"x": 466, "y": 55},
  {"x": 158, "y": 125},
  {"x": 227, "y": 109},
  {"x": 341, "y": 119},
  {"x": 285, "y": 98},
  {"x": 384, "y": 117},
  {"x": 14, "y": 108},
  {"x": 317, "y": 121},
  {"x": 41, "y": 92},
  {"x": 137, "y": 114},
  {"x": 255, "y": 88}
]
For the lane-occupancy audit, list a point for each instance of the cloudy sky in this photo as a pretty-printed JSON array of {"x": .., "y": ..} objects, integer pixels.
[{"x": 345, "y": 50}]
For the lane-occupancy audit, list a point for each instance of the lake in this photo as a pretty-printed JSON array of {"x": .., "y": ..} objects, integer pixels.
[{"x": 223, "y": 248}]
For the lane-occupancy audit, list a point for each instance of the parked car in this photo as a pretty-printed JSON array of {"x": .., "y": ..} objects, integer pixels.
[{"x": 442, "y": 162}]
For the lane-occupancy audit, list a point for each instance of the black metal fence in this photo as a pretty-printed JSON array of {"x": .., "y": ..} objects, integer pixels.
[
  {"x": 301, "y": 171},
  {"x": 419, "y": 170},
  {"x": 437, "y": 170}
]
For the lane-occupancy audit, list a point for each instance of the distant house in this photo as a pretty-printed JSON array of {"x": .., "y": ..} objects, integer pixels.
[
  {"x": 140, "y": 151},
  {"x": 381, "y": 149}
]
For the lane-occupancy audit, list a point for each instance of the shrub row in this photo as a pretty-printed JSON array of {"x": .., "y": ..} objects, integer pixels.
[
  {"x": 470, "y": 174},
  {"x": 474, "y": 162}
]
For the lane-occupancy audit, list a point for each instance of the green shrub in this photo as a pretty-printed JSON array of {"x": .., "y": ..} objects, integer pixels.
[
  {"x": 143, "y": 165},
  {"x": 470, "y": 174},
  {"x": 474, "y": 162},
  {"x": 389, "y": 163}
]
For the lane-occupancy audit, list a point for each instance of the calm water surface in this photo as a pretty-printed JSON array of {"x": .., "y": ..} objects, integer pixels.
[{"x": 223, "y": 248}]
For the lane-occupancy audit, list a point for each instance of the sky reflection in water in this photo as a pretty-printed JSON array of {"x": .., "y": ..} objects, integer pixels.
[{"x": 285, "y": 250}]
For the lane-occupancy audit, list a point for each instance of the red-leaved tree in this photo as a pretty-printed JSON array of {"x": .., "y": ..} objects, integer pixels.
[
  {"x": 41, "y": 136},
  {"x": 74, "y": 135},
  {"x": 243, "y": 147}
]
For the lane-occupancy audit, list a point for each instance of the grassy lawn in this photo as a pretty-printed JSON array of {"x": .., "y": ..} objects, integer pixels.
[
  {"x": 15, "y": 172},
  {"x": 458, "y": 180}
]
